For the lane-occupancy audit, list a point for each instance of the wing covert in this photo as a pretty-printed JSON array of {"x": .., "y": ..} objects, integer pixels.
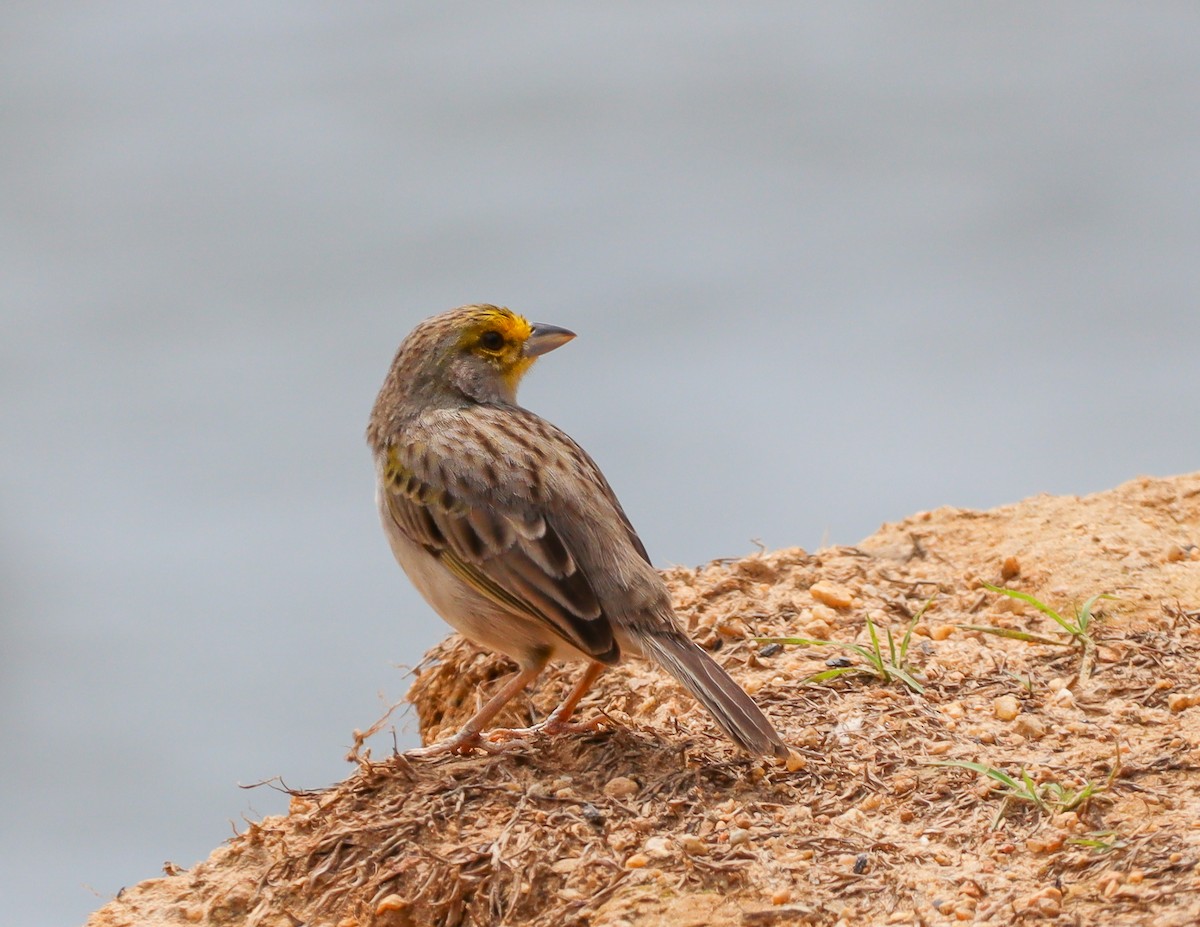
[{"x": 486, "y": 522}]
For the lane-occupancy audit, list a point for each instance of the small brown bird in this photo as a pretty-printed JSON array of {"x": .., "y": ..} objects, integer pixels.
[{"x": 510, "y": 531}]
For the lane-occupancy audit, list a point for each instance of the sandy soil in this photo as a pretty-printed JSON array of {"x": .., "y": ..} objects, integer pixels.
[{"x": 656, "y": 820}]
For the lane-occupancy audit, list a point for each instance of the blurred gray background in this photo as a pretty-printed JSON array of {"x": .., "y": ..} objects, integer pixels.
[{"x": 829, "y": 264}]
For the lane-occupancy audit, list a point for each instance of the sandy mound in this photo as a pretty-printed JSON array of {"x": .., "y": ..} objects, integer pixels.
[{"x": 658, "y": 821}]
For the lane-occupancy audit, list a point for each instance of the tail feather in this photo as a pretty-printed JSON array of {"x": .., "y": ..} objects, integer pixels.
[{"x": 733, "y": 710}]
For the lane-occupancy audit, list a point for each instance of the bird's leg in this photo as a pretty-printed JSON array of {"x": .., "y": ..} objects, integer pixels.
[
  {"x": 558, "y": 722},
  {"x": 470, "y": 736}
]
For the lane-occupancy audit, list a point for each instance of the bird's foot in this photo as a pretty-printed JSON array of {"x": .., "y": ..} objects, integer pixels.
[
  {"x": 461, "y": 744},
  {"x": 551, "y": 727},
  {"x": 503, "y": 739},
  {"x": 555, "y": 726}
]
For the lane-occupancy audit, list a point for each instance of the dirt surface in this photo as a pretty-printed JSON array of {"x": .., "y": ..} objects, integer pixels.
[{"x": 656, "y": 820}]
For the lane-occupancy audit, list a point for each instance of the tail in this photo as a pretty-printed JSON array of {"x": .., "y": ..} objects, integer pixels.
[{"x": 732, "y": 709}]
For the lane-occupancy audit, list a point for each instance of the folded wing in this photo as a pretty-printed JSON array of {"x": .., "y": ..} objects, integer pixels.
[{"x": 489, "y": 520}]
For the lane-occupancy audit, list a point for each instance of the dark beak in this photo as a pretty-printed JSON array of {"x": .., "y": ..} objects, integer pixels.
[{"x": 545, "y": 338}]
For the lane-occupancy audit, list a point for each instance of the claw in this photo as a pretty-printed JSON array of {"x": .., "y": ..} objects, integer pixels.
[
  {"x": 461, "y": 744},
  {"x": 466, "y": 742},
  {"x": 551, "y": 727}
]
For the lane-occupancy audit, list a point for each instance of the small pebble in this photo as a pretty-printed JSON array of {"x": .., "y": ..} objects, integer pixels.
[
  {"x": 693, "y": 845},
  {"x": 769, "y": 650},
  {"x": 1046, "y": 843},
  {"x": 1010, "y": 568},
  {"x": 738, "y": 836},
  {"x": 823, "y": 613},
  {"x": 970, "y": 888},
  {"x": 781, "y": 896},
  {"x": 1006, "y": 708},
  {"x": 1180, "y": 701},
  {"x": 1063, "y": 698},
  {"x": 621, "y": 787},
  {"x": 657, "y": 846},
  {"x": 1046, "y": 903},
  {"x": 954, "y": 710},
  {"x": 818, "y": 630},
  {"x": 1031, "y": 726},
  {"x": 637, "y": 861},
  {"x": 834, "y": 595},
  {"x": 902, "y": 785}
]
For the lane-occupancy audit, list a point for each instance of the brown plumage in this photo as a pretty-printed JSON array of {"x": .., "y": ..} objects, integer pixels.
[{"x": 511, "y": 532}]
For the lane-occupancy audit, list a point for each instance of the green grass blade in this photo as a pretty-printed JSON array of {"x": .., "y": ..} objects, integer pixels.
[
  {"x": 799, "y": 641},
  {"x": 909, "y": 632},
  {"x": 990, "y": 771},
  {"x": 813, "y": 642},
  {"x": 826, "y": 675},
  {"x": 1034, "y": 793},
  {"x": 875, "y": 656},
  {"x": 1016, "y": 635},
  {"x": 907, "y": 679},
  {"x": 1036, "y": 603},
  {"x": 862, "y": 652},
  {"x": 1084, "y": 618}
]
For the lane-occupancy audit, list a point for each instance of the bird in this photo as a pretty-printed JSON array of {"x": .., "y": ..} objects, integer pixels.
[{"x": 512, "y": 534}]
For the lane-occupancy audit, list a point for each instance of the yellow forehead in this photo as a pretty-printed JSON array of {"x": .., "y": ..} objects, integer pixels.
[{"x": 513, "y": 327}]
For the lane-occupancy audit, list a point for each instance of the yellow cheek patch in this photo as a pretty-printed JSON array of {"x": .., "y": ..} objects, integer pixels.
[{"x": 513, "y": 372}]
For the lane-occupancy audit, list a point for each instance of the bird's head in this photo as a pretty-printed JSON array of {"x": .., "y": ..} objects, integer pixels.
[{"x": 476, "y": 352}]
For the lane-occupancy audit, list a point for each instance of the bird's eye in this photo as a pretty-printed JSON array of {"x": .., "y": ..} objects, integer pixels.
[{"x": 491, "y": 340}]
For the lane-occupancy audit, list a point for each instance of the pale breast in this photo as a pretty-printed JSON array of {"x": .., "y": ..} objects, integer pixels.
[{"x": 475, "y": 617}]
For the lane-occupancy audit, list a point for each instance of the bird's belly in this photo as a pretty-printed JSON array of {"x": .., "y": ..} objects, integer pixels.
[{"x": 475, "y": 617}]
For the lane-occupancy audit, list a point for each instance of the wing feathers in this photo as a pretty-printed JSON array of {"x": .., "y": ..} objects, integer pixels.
[{"x": 497, "y": 537}]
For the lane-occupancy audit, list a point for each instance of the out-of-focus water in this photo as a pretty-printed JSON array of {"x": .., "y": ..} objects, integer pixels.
[{"x": 829, "y": 264}]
